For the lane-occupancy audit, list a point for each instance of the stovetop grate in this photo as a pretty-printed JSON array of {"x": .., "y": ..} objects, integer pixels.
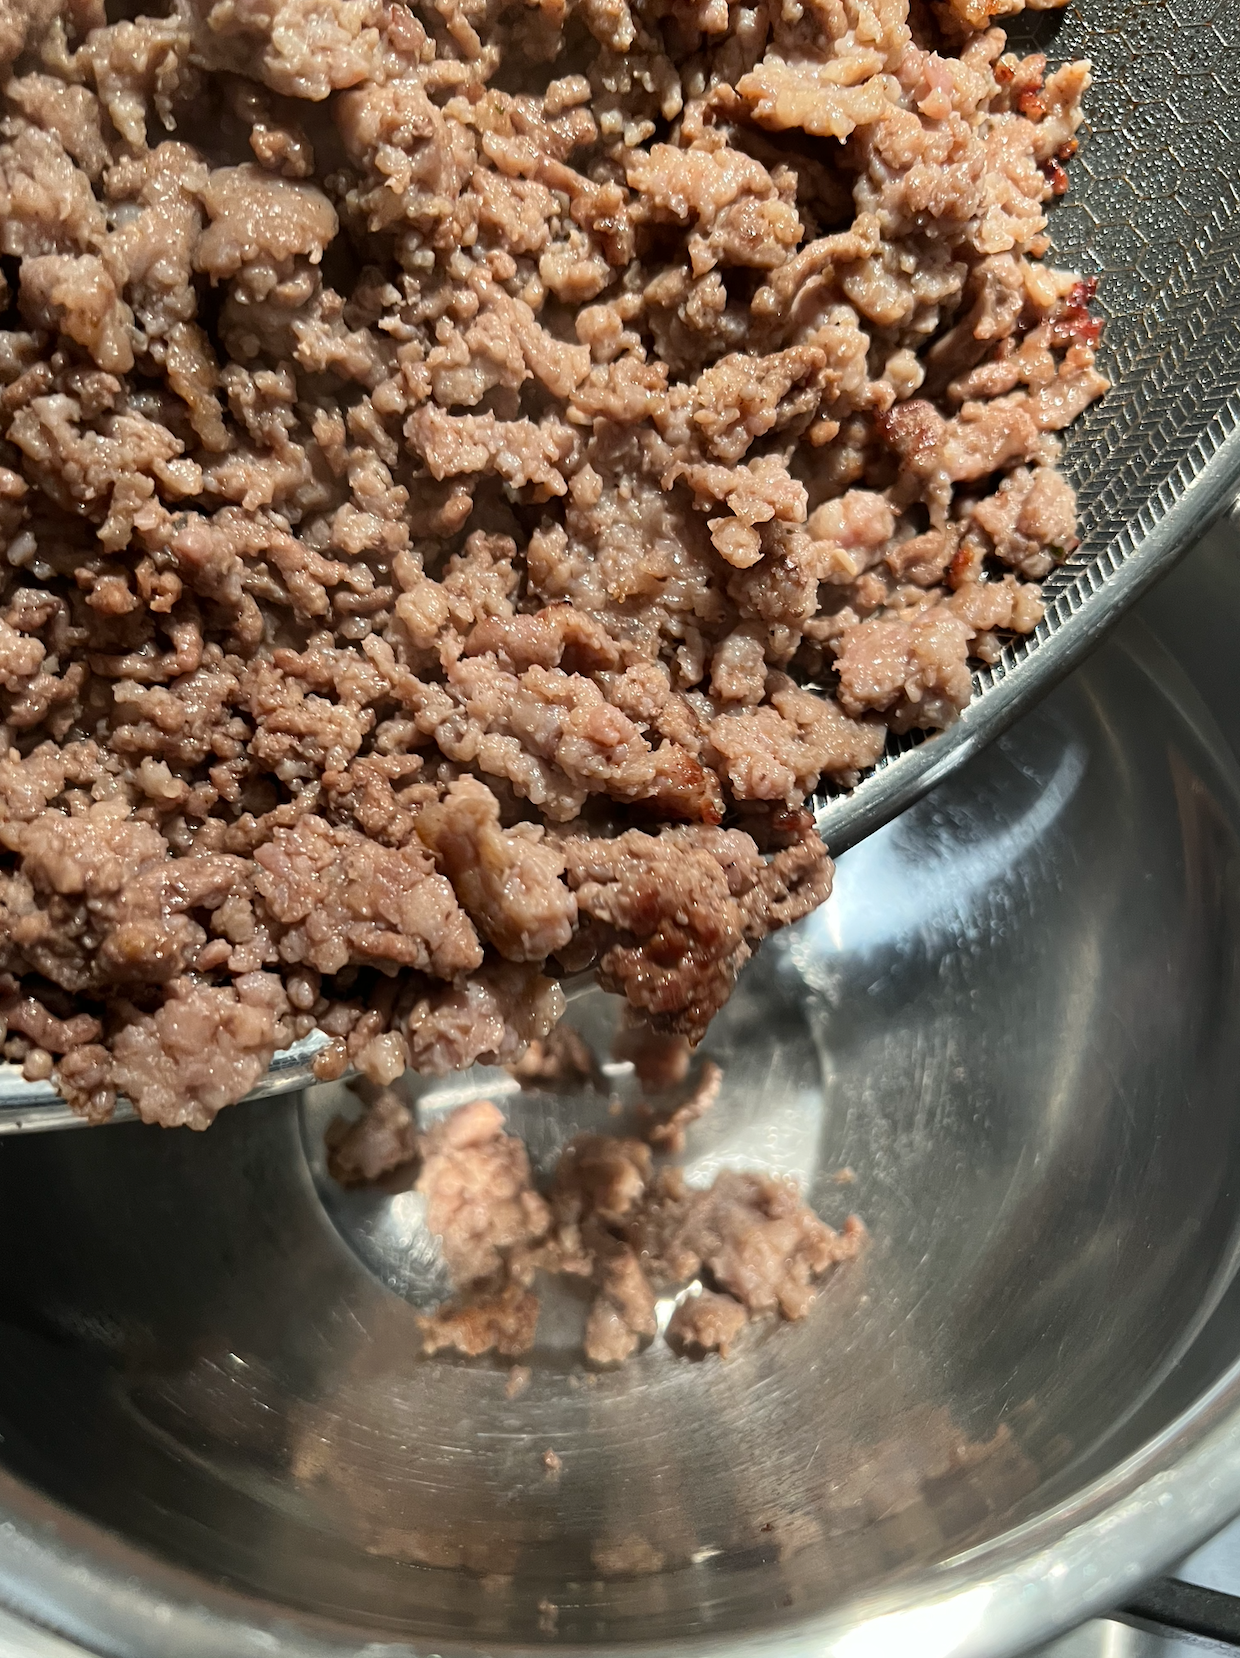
[
  {"x": 1169, "y": 1607},
  {"x": 1191, "y": 1613}
]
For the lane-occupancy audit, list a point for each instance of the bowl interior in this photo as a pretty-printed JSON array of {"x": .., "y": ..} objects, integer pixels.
[{"x": 1015, "y": 1024}]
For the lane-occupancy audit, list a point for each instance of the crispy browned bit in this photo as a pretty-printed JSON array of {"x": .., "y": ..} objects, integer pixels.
[
  {"x": 503, "y": 1322},
  {"x": 450, "y": 530}
]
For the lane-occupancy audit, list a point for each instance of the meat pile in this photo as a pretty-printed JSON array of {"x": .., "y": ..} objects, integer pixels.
[
  {"x": 609, "y": 1218},
  {"x": 468, "y": 472}
]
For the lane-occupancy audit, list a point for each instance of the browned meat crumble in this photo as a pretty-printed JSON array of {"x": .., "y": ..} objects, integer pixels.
[
  {"x": 383, "y": 1139},
  {"x": 479, "y": 1194},
  {"x": 706, "y": 1323},
  {"x": 608, "y": 1217},
  {"x": 560, "y": 1061},
  {"x": 468, "y": 472},
  {"x": 667, "y": 1132},
  {"x": 660, "y": 1059}
]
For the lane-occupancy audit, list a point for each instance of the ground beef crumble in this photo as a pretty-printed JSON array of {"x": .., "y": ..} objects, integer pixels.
[
  {"x": 666, "y": 1131},
  {"x": 706, "y": 1323},
  {"x": 468, "y": 473},
  {"x": 747, "y": 1244},
  {"x": 383, "y": 1139},
  {"x": 562, "y": 1062}
]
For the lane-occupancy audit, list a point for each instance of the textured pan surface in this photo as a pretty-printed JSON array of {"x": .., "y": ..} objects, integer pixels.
[{"x": 1154, "y": 212}]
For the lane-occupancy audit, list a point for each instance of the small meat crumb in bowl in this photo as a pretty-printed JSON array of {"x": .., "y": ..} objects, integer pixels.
[{"x": 645, "y": 1245}]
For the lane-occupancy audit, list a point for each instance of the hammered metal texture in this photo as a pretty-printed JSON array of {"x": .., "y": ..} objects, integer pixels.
[{"x": 1153, "y": 211}]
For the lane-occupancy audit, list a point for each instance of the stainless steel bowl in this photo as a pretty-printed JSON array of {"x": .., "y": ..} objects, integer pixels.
[{"x": 1018, "y": 1024}]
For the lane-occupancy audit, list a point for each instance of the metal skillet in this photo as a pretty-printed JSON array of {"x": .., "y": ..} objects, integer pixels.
[{"x": 1153, "y": 212}]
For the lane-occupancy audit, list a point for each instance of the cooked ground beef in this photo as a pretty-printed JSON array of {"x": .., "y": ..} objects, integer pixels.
[
  {"x": 480, "y": 1199},
  {"x": 561, "y": 1061},
  {"x": 660, "y": 1059},
  {"x": 608, "y": 1217},
  {"x": 666, "y": 1130},
  {"x": 468, "y": 473},
  {"x": 384, "y": 1138},
  {"x": 500, "y": 1322},
  {"x": 706, "y": 1323},
  {"x": 750, "y": 1232}
]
